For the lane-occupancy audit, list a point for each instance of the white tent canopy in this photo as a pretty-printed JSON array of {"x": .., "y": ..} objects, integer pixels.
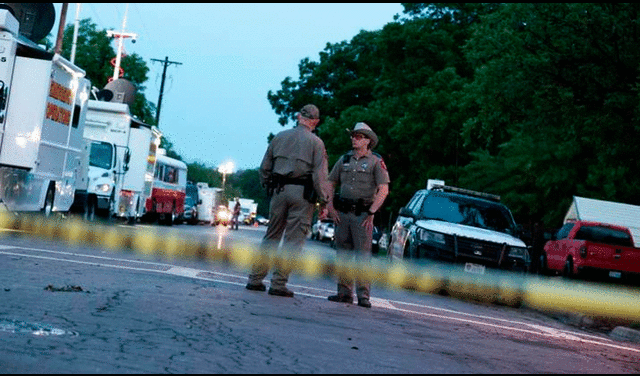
[{"x": 588, "y": 209}]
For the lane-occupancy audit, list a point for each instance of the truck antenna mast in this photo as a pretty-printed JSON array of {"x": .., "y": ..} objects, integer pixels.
[{"x": 117, "y": 71}]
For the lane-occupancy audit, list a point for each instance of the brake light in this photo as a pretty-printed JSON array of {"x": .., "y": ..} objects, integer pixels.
[
  {"x": 126, "y": 193},
  {"x": 583, "y": 251}
]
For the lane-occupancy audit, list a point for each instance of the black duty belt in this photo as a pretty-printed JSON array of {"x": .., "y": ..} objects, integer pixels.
[
  {"x": 346, "y": 205},
  {"x": 277, "y": 183}
]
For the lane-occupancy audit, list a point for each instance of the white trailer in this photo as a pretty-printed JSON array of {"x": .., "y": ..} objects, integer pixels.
[
  {"x": 42, "y": 109},
  {"x": 210, "y": 199},
  {"x": 122, "y": 160}
]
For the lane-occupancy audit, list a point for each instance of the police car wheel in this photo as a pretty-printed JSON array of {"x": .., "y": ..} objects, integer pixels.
[
  {"x": 47, "y": 209},
  {"x": 542, "y": 265},
  {"x": 409, "y": 250}
]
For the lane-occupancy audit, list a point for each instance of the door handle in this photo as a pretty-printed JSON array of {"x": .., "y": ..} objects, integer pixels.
[{"x": 616, "y": 257}]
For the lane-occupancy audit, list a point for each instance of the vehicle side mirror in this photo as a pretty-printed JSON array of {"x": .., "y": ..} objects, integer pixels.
[
  {"x": 406, "y": 213},
  {"x": 127, "y": 158}
]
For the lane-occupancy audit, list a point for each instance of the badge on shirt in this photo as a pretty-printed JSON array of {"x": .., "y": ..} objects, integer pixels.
[
  {"x": 382, "y": 164},
  {"x": 364, "y": 166}
]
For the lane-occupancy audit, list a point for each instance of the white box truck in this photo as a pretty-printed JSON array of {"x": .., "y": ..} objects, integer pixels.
[
  {"x": 43, "y": 101},
  {"x": 122, "y": 160},
  {"x": 210, "y": 199}
]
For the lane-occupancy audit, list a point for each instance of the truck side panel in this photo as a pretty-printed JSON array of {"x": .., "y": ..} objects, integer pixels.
[
  {"x": 23, "y": 126},
  {"x": 8, "y": 48}
]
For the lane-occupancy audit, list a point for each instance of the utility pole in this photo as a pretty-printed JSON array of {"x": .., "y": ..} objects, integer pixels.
[
  {"x": 63, "y": 17},
  {"x": 166, "y": 63}
]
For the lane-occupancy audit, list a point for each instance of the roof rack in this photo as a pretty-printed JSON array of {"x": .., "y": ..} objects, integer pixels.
[{"x": 466, "y": 192}]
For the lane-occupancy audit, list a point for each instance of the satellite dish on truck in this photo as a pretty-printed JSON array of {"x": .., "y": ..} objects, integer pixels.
[
  {"x": 123, "y": 91},
  {"x": 36, "y": 19}
]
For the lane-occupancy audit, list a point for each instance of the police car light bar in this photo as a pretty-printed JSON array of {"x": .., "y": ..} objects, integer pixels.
[{"x": 439, "y": 185}]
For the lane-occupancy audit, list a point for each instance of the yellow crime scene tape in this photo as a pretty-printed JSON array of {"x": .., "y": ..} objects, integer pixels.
[{"x": 544, "y": 293}]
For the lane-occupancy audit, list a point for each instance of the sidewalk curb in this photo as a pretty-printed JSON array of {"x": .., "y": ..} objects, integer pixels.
[
  {"x": 619, "y": 333},
  {"x": 622, "y": 333}
]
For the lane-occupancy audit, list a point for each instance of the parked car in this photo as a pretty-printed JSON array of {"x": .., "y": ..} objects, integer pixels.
[
  {"x": 459, "y": 226},
  {"x": 190, "y": 214},
  {"x": 602, "y": 249},
  {"x": 319, "y": 231},
  {"x": 315, "y": 229},
  {"x": 375, "y": 239},
  {"x": 326, "y": 231},
  {"x": 262, "y": 220}
]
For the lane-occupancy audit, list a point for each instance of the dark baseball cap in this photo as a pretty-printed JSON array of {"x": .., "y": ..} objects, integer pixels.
[{"x": 310, "y": 112}]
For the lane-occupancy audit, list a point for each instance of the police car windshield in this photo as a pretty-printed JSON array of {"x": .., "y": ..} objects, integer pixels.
[{"x": 468, "y": 211}]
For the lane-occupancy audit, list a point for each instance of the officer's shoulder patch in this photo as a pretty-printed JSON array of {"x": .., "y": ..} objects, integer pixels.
[{"x": 381, "y": 160}]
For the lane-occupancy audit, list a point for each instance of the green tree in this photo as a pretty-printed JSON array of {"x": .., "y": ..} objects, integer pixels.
[
  {"x": 556, "y": 102},
  {"x": 407, "y": 81}
]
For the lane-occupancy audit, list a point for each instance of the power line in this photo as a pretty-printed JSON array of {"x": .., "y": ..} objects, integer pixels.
[{"x": 166, "y": 63}]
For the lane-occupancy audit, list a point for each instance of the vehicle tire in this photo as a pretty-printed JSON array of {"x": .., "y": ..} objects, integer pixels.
[
  {"x": 90, "y": 207},
  {"x": 409, "y": 250},
  {"x": 542, "y": 268},
  {"x": 47, "y": 209},
  {"x": 567, "y": 272}
]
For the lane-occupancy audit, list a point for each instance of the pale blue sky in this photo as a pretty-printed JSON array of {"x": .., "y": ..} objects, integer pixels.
[{"x": 215, "y": 107}]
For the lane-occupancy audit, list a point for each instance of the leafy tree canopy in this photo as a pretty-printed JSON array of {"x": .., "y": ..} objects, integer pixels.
[{"x": 534, "y": 102}]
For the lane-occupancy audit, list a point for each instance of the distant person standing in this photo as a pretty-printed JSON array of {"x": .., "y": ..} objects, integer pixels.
[
  {"x": 294, "y": 170},
  {"x": 236, "y": 215},
  {"x": 364, "y": 184}
]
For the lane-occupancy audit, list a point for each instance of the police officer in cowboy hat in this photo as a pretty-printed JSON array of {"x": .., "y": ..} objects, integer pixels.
[{"x": 364, "y": 184}]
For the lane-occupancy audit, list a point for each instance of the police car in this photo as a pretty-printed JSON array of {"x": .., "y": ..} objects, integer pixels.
[{"x": 460, "y": 226}]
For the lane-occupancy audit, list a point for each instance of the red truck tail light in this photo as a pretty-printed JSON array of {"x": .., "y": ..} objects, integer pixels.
[
  {"x": 126, "y": 193},
  {"x": 583, "y": 251}
]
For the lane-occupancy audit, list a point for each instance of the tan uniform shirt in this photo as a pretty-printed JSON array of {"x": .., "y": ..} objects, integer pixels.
[
  {"x": 295, "y": 153},
  {"x": 359, "y": 177}
]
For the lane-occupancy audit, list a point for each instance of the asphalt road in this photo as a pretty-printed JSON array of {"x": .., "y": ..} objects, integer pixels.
[{"x": 79, "y": 309}]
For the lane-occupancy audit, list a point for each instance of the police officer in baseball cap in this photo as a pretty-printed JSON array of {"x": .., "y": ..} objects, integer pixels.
[{"x": 294, "y": 170}]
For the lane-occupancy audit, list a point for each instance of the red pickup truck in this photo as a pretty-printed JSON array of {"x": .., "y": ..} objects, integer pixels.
[{"x": 581, "y": 246}]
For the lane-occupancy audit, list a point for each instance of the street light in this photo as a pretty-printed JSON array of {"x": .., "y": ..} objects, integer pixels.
[{"x": 224, "y": 169}]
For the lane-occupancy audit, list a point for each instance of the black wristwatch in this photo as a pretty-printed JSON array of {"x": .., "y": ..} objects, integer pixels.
[{"x": 370, "y": 212}]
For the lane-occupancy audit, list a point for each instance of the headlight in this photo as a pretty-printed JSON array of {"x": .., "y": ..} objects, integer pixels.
[
  {"x": 519, "y": 252},
  {"x": 103, "y": 187},
  {"x": 431, "y": 237}
]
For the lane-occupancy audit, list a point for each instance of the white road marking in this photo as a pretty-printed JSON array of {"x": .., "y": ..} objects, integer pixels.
[{"x": 381, "y": 303}]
